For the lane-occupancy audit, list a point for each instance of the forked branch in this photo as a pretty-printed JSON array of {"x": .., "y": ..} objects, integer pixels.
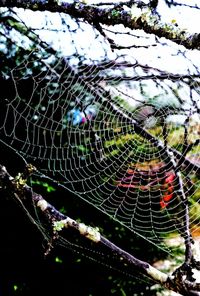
[
  {"x": 116, "y": 13},
  {"x": 178, "y": 281}
]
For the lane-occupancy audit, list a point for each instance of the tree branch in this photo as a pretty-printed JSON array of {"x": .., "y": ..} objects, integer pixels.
[
  {"x": 18, "y": 188},
  {"x": 144, "y": 19}
]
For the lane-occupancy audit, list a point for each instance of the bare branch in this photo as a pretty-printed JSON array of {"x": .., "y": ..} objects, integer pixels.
[
  {"x": 23, "y": 191},
  {"x": 146, "y": 21},
  {"x": 174, "y": 3},
  {"x": 18, "y": 188}
]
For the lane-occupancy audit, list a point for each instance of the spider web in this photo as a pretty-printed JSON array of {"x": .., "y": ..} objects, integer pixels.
[{"x": 103, "y": 137}]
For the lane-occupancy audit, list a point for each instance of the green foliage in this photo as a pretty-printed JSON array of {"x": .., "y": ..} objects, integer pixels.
[
  {"x": 58, "y": 260},
  {"x": 49, "y": 188},
  {"x": 15, "y": 287}
]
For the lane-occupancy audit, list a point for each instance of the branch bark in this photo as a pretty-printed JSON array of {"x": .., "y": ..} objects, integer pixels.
[
  {"x": 18, "y": 188},
  {"x": 146, "y": 20}
]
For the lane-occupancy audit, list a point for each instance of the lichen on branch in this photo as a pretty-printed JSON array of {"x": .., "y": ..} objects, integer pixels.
[{"x": 117, "y": 13}]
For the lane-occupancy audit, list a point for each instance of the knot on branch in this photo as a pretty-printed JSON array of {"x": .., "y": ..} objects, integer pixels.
[
  {"x": 183, "y": 280},
  {"x": 194, "y": 40}
]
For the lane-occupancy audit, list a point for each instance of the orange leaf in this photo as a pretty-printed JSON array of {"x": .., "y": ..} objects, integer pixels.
[{"x": 167, "y": 197}]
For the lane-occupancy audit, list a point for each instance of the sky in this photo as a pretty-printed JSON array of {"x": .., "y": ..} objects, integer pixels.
[
  {"x": 186, "y": 18},
  {"x": 58, "y": 32}
]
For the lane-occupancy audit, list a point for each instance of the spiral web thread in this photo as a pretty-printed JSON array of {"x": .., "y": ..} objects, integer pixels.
[{"x": 80, "y": 129}]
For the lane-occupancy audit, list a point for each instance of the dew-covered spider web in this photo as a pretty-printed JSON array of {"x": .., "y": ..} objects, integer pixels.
[{"x": 114, "y": 133}]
